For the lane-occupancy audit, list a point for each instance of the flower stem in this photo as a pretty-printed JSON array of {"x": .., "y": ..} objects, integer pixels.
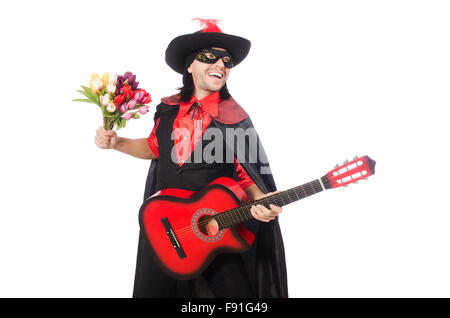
[{"x": 108, "y": 124}]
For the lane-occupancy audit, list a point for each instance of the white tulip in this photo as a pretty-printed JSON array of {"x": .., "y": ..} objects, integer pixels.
[
  {"x": 111, "y": 108},
  {"x": 111, "y": 88},
  {"x": 113, "y": 79},
  {"x": 104, "y": 100},
  {"x": 97, "y": 84}
]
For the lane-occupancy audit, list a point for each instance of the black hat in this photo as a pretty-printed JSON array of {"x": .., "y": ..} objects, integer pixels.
[{"x": 209, "y": 36}]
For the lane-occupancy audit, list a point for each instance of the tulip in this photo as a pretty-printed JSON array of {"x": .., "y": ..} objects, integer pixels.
[
  {"x": 95, "y": 83},
  {"x": 126, "y": 90},
  {"x": 132, "y": 103},
  {"x": 104, "y": 100},
  {"x": 119, "y": 99},
  {"x": 128, "y": 78},
  {"x": 144, "y": 97},
  {"x": 123, "y": 109},
  {"x": 110, "y": 88},
  {"x": 113, "y": 80},
  {"x": 105, "y": 79},
  {"x": 143, "y": 110},
  {"x": 131, "y": 79},
  {"x": 147, "y": 99},
  {"x": 111, "y": 107},
  {"x": 128, "y": 116},
  {"x": 139, "y": 95}
]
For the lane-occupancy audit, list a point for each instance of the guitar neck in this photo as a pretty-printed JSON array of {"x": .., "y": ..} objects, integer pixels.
[{"x": 241, "y": 214}]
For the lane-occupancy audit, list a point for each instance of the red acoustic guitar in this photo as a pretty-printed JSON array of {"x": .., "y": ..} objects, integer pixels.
[{"x": 176, "y": 221}]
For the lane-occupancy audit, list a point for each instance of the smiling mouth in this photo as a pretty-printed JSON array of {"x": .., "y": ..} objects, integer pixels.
[{"x": 215, "y": 74}]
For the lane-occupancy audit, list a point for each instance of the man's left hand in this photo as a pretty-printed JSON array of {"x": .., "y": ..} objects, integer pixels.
[{"x": 264, "y": 214}]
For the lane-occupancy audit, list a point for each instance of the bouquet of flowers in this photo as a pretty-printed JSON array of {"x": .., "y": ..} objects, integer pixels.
[{"x": 118, "y": 96}]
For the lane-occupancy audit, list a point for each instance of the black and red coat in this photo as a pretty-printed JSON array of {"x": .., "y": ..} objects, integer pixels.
[{"x": 265, "y": 260}]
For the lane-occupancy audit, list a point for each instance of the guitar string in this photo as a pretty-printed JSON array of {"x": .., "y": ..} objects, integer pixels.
[
  {"x": 240, "y": 214},
  {"x": 309, "y": 189},
  {"x": 192, "y": 235},
  {"x": 235, "y": 216},
  {"x": 189, "y": 232},
  {"x": 230, "y": 218}
]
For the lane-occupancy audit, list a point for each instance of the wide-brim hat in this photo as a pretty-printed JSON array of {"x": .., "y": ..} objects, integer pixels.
[{"x": 209, "y": 36}]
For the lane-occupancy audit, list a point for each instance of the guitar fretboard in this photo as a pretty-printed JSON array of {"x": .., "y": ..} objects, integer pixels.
[{"x": 241, "y": 214}]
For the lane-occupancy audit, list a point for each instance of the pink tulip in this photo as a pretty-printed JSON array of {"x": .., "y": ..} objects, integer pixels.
[
  {"x": 123, "y": 109},
  {"x": 128, "y": 116},
  {"x": 143, "y": 110},
  {"x": 132, "y": 103},
  {"x": 139, "y": 96}
]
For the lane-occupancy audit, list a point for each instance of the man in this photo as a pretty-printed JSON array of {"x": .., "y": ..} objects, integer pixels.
[{"x": 182, "y": 121}]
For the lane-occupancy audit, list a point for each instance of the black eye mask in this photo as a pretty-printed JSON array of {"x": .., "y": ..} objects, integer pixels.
[{"x": 211, "y": 56}]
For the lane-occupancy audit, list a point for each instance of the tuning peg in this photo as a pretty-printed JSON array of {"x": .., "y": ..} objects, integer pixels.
[
  {"x": 355, "y": 157},
  {"x": 365, "y": 178},
  {"x": 346, "y": 161},
  {"x": 336, "y": 166}
]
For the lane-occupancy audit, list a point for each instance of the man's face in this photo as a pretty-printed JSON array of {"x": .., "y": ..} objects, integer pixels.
[{"x": 208, "y": 78}]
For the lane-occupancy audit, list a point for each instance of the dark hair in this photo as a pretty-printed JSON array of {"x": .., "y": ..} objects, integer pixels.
[{"x": 187, "y": 90}]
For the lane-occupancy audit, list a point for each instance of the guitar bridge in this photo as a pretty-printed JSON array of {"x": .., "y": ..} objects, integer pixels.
[{"x": 173, "y": 238}]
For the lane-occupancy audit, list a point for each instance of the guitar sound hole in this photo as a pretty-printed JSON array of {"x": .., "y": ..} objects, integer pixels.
[{"x": 207, "y": 225}]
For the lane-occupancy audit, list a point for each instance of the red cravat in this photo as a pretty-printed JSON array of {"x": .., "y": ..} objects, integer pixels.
[
  {"x": 189, "y": 125},
  {"x": 191, "y": 122}
]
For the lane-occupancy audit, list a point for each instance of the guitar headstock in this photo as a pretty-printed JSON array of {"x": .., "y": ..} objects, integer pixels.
[{"x": 349, "y": 172}]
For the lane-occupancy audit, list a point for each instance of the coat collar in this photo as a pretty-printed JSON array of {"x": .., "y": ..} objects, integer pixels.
[{"x": 228, "y": 111}]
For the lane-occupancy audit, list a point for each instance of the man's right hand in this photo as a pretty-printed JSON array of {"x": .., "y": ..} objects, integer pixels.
[{"x": 105, "y": 139}]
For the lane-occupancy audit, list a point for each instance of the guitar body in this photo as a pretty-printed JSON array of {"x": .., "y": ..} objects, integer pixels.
[{"x": 174, "y": 225}]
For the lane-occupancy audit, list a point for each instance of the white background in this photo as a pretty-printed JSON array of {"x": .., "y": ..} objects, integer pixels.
[{"x": 324, "y": 81}]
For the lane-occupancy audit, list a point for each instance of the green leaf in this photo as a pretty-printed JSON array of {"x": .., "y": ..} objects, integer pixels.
[
  {"x": 120, "y": 123},
  {"x": 92, "y": 99},
  {"x": 88, "y": 90},
  {"x": 123, "y": 122},
  {"x": 84, "y": 100},
  {"x": 82, "y": 92},
  {"x": 136, "y": 115},
  {"x": 89, "y": 93}
]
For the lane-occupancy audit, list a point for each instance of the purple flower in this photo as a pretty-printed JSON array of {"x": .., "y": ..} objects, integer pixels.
[{"x": 129, "y": 78}]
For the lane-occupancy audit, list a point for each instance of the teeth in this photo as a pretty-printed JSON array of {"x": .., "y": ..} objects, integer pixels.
[{"x": 215, "y": 74}]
